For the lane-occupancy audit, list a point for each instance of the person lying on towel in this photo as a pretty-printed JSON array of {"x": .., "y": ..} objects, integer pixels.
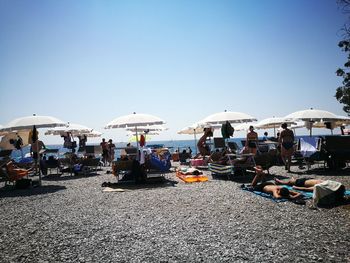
[
  {"x": 269, "y": 187},
  {"x": 304, "y": 184},
  {"x": 325, "y": 192}
]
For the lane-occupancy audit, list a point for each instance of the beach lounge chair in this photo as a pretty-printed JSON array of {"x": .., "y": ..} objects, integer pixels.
[
  {"x": 121, "y": 167},
  {"x": 90, "y": 164},
  {"x": 220, "y": 170},
  {"x": 309, "y": 150},
  {"x": 11, "y": 173}
]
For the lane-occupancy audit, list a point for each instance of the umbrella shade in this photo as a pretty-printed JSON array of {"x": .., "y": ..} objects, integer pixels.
[
  {"x": 244, "y": 126},
  {"x": 5, "y": 141},
  {"x": 312, "y": 115},
  {"x": 92, "y": 134},
  {"x": 134, "y": 120},
  {"x": 230, "y": 116},
  {"x": 29, "y": 121},
  {"x": 149, "y": 128},
  {"x": 272, "y": 123},
  {"x": 75, "y": 129}
]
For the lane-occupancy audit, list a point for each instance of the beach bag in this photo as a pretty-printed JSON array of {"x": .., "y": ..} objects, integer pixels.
[{"x": 328, "y": 193}]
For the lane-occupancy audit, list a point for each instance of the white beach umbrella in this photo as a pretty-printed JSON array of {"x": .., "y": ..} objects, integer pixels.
[
  {"x": 273, "y": 123},
  {"x": 147, "y": 128},
  {"x": 29, "y": 121},
  {"x": 135, "y": 120},
  {"x": 312, "y": 115},
  {"x": 73, "y": 128},
  {"x": 5, "y": 140},
  {"x": 244, "y": 126},
  {"x": 194, "y": 129},
  {"x": 230, "y": 116},
  {"x": 93, "y": 134}
]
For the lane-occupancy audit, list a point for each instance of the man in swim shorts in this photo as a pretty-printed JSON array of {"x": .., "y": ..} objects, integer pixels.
[
  {"x": 276, "y": 191},
  {"x": 304, "y": 184}
]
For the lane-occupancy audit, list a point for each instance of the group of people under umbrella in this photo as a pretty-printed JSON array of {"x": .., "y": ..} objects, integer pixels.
[{"x": 222, "y": 120}]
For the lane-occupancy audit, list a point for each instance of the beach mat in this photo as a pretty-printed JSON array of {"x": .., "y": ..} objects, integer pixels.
[{"x": 268, "y": 196}]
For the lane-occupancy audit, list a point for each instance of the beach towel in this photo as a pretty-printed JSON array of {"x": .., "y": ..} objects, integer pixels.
[
  {"x": 110, "y": 189},
  {"x": 269, "y": 196}
]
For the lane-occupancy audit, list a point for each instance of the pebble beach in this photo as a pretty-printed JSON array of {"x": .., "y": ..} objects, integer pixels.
[{"x": 71, "y": 219}]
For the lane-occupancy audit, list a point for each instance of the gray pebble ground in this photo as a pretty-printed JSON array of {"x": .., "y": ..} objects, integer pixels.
[{"x": 70, "y": 219}]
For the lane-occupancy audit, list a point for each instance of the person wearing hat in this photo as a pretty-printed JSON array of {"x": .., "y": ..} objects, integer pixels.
[{"x": 251, "y": 143}]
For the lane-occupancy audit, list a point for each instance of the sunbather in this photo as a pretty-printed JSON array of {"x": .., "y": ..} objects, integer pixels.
[
  {"x": 304, "y": 184},
  {"x": 270, "y": 187},
  {"x": 203, "y": 148}
]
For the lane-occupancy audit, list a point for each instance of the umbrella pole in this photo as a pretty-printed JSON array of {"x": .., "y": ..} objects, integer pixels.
[
  {"x": 137, "y": 146},
  {"x": 195, "y": 141},
  {"x": 38, "y": 160}
]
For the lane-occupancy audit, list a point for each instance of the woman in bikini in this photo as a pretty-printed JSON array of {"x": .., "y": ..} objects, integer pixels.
[
  {"x": 286, "y": 141},
  {"x": 251, "y": 143}
]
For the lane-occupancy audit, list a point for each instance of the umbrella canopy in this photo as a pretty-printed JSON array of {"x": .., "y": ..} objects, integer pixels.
[
  {"x": 93, "y": 134},
  {"x": 149, "y": 128},
  {"x": 273, "y": 123},
  {"x": 33, "y": 122},
  {"x": 5, "y": 143},
  {"x": 134, "y": 120},
  {"x": 29, "y": 121},
  {"x": 244, "y": 126},
  {"x": 230, "y": 116},
  {"x": 311, "y": 116},
  {"x": 73, "y": 128}
]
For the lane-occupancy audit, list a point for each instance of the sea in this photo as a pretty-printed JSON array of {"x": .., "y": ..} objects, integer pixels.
[{"x": 172, "y": 145}]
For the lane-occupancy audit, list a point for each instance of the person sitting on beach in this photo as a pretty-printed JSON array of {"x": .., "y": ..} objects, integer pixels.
[
  {"x": 286, "y": 141},
  {"x": 269, "y": 187},
  {"x": 251, "y": 143},
  {"x": 265, "y": 137}
]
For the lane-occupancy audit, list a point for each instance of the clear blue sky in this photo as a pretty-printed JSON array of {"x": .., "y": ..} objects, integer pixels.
[{"x": 89, "y": 62}]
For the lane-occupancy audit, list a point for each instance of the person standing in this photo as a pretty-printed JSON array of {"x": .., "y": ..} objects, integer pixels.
[
  {"x": 251, "y": 143},
  {"x": 286, "y": 142},
  {"x": 111, "y": 151},
  {"x": 104, "y": 146}
]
